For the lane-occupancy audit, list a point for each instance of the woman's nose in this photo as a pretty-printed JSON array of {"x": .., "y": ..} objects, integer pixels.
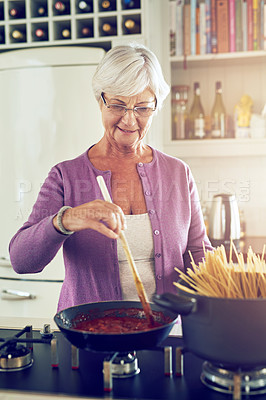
[{"x": 129, "y": 118}]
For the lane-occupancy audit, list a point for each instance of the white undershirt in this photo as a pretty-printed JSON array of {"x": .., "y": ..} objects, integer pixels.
[{"x": 140, "y": 239}]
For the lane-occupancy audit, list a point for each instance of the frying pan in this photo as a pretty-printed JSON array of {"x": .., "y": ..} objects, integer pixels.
[
  {"x": 227, "y": 331},
  {"x": 105, "y": 342}
]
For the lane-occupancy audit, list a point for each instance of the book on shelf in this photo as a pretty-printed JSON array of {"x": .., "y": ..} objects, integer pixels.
[
  {"x": 208, "y": 26},
  {"x": 262, "y": 19},
  {"x": 216, "y": 26},
  {"x": 222, "y": 26},
  {"x": 232, "y": 25},
  {"x": 176, "y": 27},
  {"x": 264, "y": 26},
  {"x": 193, "y": 26},
  {"x": 239, "y": 36},
  {"x": 202, "y": 27},
  {"x": 197, "y": 29},
  {"x": 186, "y": 25},
  {"x": 255, "y": 25},
  {"x": 244, "y": 26},
  {"x": 179, "y": 51},
  {"x": 172, "y": 27},
  {"x": 250, "y": 24},
  {"x": 213, "y": 26}
]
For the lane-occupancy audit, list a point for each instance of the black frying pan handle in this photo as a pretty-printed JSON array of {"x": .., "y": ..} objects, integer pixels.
[{"x": 180, "y": 304}]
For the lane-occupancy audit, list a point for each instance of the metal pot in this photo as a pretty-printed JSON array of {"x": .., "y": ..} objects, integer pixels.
[
  {"x": 231, "y": 332},
  {"x": 105, "y": 342}
]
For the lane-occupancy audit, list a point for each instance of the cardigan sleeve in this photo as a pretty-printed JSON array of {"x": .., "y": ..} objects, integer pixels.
[{"x": 37, "y": 241}]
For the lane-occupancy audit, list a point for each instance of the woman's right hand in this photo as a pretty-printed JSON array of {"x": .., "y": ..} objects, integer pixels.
[{"x": 102, "y": 216}]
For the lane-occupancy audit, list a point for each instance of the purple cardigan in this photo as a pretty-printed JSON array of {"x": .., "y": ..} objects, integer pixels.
[{"x": 91, "y": 263}]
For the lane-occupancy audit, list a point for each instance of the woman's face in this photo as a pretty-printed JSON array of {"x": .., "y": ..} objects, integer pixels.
[{"x": 127, "y": 130}]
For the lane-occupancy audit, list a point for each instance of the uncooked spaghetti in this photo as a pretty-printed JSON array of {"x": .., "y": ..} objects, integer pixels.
[{"x": 215, "y": 276}]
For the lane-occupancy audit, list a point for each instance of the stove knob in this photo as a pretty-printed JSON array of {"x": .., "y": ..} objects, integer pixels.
[{"x": 46, "y": 331}]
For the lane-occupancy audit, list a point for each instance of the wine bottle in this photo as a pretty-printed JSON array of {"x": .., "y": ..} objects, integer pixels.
[
  {"x": 65, "y": 33},
  {"x": 196, "y": 116},
  {"x": 17, "y": 12},
  {"x": 107, "y": 5},
  {"x": 85, "y": 6},
  {"x": 129, "y": 4},
  {"x": 131, "y": 26},
  {"x": 18, "y": 36},
  {"x": 108, "y": 29},
  {"x": 41, "y": 11},
  {"x": 85, "y": 31},
  {"x": 2, "y": 37},
  {"x": 40, "y": 34},
  {"x": 61, "y": 7},
  {"x": 2, "y": 16},
  {"x": 218, "y": 114}
]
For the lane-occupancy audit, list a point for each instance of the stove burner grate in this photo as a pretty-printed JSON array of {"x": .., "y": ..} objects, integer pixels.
[
  {"x": 124, "y": 365},
  {"x": 236, "y": 382},
  {"x": 16, "y": 357}
]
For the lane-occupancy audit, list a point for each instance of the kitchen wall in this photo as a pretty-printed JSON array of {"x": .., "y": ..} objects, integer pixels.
[{"x": 243, "y": 176}]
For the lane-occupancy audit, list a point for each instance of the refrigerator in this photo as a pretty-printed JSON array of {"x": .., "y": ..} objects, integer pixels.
[{"x": 48, "y": 114}]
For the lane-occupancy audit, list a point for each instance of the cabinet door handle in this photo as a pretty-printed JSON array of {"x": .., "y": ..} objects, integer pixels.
[{"x": 16, "y": 294}]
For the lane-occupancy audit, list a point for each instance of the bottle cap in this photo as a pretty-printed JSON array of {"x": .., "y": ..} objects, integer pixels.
[
  {"x": 196, "y": 85},
  {"x": 218, "y": 85}
]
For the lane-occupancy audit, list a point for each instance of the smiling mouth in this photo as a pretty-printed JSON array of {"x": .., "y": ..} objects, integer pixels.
[{"x": 126, "y": 131}]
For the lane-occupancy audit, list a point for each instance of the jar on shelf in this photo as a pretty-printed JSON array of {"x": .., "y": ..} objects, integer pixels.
[{"x": 179, "y": 111}]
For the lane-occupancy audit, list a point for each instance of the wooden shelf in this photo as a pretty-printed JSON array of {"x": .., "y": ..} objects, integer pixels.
[
  {"x": 219, "y": 59},
  {"x": 216, "y": 148}
]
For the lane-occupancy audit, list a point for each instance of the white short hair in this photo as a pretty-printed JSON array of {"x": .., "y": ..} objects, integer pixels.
[{"x": 128, "y": 70}]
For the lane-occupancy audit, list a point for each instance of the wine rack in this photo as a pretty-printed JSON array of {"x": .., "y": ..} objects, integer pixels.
[{"x": 31, "y": 23}]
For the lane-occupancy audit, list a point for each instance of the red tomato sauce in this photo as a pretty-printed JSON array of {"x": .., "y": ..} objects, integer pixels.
[{"x": 119, "y": 321}]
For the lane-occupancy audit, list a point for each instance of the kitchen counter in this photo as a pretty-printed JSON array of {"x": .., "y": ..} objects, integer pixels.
[{"x": 256, "y": 243}]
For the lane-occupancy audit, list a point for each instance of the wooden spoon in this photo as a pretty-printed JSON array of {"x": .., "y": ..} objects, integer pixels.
[{"x": 139, "y": 285}]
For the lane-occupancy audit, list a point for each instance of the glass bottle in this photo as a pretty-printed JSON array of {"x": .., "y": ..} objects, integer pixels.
[
  {"x": 196, "y": 116},
  {"x": 218, "y": 114},
  {"x": 179, "y": 111}
]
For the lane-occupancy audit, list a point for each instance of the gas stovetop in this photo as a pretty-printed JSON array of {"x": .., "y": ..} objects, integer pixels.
[{"x": 58, "y": 369}]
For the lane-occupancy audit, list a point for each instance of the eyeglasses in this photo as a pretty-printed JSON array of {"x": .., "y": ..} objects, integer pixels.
[{"x": 120, "y": 110}]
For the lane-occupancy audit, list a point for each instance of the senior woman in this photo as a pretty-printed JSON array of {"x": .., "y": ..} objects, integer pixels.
[{"x": 153, "y": 194}]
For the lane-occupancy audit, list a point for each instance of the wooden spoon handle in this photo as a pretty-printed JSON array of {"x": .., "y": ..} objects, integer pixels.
[{"x": 139, "y": 285}]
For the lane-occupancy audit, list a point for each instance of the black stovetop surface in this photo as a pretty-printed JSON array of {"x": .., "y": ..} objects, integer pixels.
[{"x": 87, "y": 381}]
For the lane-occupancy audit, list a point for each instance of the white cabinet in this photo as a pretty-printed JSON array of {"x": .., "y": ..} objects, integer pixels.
[{"x": 44, "y": 287}]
